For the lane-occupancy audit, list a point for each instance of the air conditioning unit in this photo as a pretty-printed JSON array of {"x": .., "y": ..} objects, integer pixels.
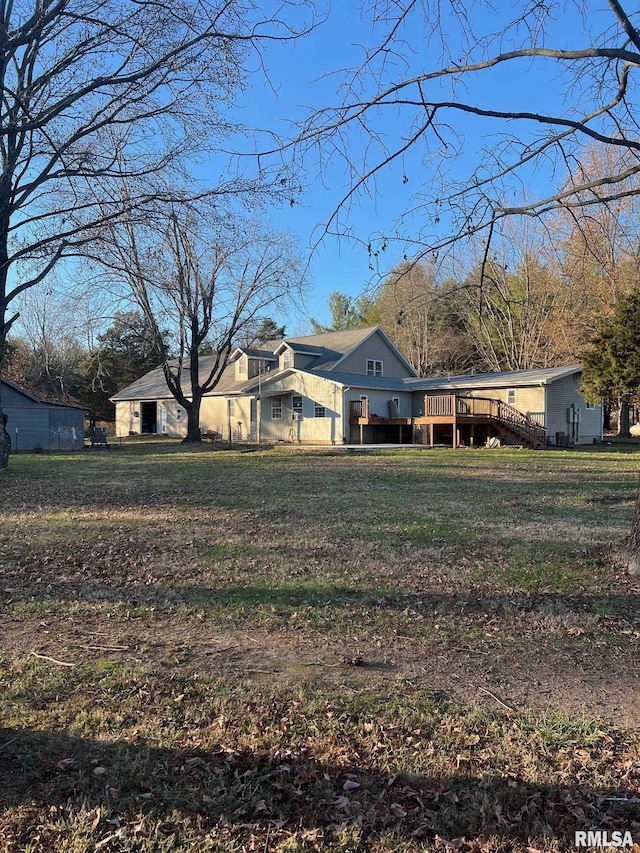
[{"x": 296, "y": 416}]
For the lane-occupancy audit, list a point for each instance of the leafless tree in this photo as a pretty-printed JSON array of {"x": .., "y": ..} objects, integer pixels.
[
  {"x": 431, "y": 106},
  {"x": 89, "y": 85},
  {"x": 409, "y": 107},
  {"x": 201, "y": 279}
]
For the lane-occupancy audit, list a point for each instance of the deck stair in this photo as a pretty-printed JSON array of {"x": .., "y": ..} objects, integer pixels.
[{"x": 505, "y": 419}]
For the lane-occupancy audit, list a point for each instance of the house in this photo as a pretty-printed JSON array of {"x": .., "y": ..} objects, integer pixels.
[
  {"x": 356, "y": 387},
  {"x": 35, "y": 424}
]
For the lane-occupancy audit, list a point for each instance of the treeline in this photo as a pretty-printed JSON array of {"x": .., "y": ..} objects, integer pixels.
[{"x": 537, "y": 296}]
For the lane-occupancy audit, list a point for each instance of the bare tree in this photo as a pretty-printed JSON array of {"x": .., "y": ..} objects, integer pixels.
[
  {"x": 90, "y": 85},
  {"x": 421, "y": 314},
  {"x": 432, "y": 90},
  {"x": 201, "y": 279},
  {"x": 433, "y": 68}
]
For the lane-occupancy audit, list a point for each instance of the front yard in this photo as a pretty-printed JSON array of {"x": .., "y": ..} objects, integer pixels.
[{"x": 291, "y": 651}]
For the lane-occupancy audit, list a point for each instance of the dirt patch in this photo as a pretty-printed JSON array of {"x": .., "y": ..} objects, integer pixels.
[{"x": 601, "y": 683}]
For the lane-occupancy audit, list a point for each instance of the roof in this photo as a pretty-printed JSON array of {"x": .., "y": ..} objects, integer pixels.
[
  {"x": 339, "y": 343},
  {"x": 253, "y": 352},
  {"x": 357, "y": 380},
  {"x": 18, "y": 389},
  {"x": 328, "y": 351},
  {"x": 328, "y": 348},
  {"x": 153, "y": 385},
  {"x": 504, "y": 379}
]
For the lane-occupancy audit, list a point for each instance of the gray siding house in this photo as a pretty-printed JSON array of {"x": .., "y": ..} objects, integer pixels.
[
  {"x": 356, "y": 387},
  {"x": 34, "y": 424}
]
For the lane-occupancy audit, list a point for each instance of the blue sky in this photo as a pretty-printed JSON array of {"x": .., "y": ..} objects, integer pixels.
[{"x": 301, "y": 75}]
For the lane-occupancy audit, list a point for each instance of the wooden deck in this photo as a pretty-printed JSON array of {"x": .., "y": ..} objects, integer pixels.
[
  {"x": 494, "y": 415},
  {"x": 472, "y": 415},
  {"x": 361, "y": 416}
]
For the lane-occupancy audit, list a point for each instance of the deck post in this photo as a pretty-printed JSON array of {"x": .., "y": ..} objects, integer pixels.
[
  {"x": 431, "y": 435},
  {"x": 453, "y": 436},
  {"x": 361, "y": 441}
]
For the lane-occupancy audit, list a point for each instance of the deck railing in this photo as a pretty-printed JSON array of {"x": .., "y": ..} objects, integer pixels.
[
  {"x": 528, "y": 428},
  {"x": 440, "y": 406},
  {"x": 359, "y": 409},
  {"x": 523, "y": 426}
]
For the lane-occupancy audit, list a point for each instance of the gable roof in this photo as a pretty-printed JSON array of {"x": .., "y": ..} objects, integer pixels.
[
  {"x": 504, "y": 379},
  {"x": 331, "y": 348},
  {"x": 34, "y": 399},
  {"x": 328, "y": 350},
  {"x": 380, "y": 331},
  {"x": 153, "y": 385},
  {"x": 20, "y": 390},
  {"x": 253, "y": 352}
]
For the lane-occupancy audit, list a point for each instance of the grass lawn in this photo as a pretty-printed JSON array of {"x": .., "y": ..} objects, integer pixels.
[{"x": 206, "y": 650}]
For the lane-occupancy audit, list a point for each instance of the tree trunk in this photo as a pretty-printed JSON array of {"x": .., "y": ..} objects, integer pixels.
[
  {"x": 623, "y": 419},
  {"x": 633, "y": 542},
  {"x": 193, "y": 421},
  {"x": 5, "y": 443}
]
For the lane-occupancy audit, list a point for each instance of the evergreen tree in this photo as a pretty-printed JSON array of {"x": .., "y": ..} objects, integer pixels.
[
  {"x": 347, "y": 313},
  {"x": 611, "y": 367}
]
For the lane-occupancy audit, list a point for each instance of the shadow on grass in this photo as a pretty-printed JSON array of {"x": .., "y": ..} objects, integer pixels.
[
  {"x": 308, "y": 595},
  {"x": 258, "y": 793}
]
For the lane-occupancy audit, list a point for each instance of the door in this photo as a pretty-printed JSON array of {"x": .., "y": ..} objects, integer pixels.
[{"x": 149, "y": 418}]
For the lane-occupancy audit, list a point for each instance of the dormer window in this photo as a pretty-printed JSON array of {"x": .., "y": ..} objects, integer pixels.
[
  {"x": 374, "y": 367},
  {"x": 286, "y": 360},
  {"x": 242, "y": 365}
]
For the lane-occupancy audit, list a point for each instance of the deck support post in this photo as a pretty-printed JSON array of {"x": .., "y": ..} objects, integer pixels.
[
  {"x": 361, "y": 441},
  {"x": 431, "y": 435}
]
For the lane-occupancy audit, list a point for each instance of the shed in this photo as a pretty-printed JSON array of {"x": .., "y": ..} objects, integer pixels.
[{"x": 35, "y": 424}]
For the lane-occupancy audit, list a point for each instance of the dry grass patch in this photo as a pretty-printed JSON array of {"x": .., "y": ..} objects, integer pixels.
[{"x": 278, "y": 652}]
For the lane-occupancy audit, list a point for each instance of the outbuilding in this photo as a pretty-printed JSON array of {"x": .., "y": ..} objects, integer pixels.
[{"x": 35, "y": 424}]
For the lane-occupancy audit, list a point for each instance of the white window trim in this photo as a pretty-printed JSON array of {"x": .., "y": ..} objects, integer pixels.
[
  {"x": 317, "y": 405},
  {"x": 300, "y": 408},
  {"x": 274, "y": 408},
  {"x": 377, "y": 367},
  {"x": 590, "y": 407},
  {"x": 512, "y": 392}
]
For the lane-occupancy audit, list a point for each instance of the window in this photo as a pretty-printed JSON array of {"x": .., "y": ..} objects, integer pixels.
[
  {"x": 374, "y": 367},
  {"x": 296, "y": 404},
  {"x": 286, "y": 360},
  {"x": 276, "y": 408},
  {"x": 589, "y": 406},
  {"x": 319, "y": 410},
  {"x": 231, "y": 408},
  {"x": 242, "y": 365},
  {"x": 511, "y": 396},
  {"x": 396, "y": 400},
  {"x": 179, "y": 412}
]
